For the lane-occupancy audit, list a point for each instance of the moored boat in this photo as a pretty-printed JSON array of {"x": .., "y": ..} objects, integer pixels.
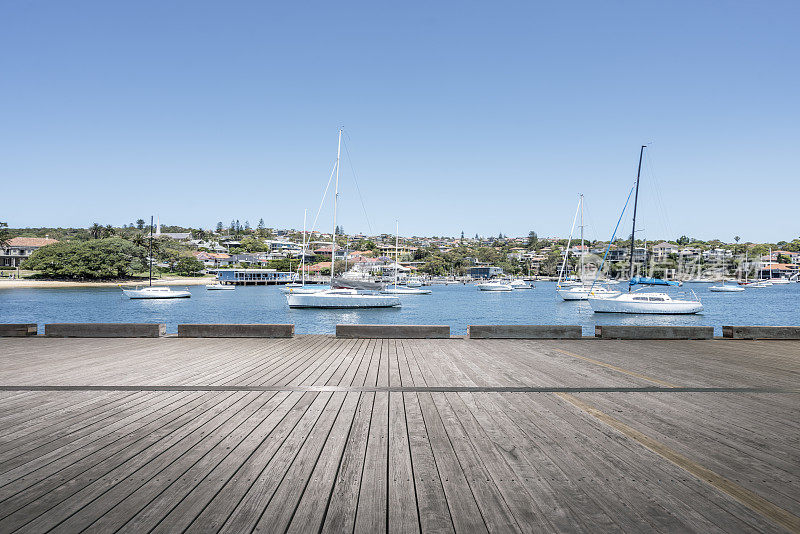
[
  {"x": 158, "y": 292},
  {"x": 495, "y": 286}
]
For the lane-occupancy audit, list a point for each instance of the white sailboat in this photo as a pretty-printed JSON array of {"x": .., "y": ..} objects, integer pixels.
[
  {"x": 394, "y": 289},
  {"x": 642, "y": 302},
  {"x": 340, "y": 298},
  {"x": 723, "y": 288},
  {"x": 151, "y": 292},
  {"x": 301, "y": 289},
  {"x": 578, "y": 291}
]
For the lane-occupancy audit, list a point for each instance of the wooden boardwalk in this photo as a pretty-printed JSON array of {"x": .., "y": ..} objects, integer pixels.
[{"x": 316, "y": 434}]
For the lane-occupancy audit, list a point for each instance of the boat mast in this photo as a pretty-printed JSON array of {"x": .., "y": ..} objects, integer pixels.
[
  {"x": 635, "y": 202},
  {"x": 335, "y": 203},
  {"x": 150, "y": 253},
  {"x": 582, "y": 250},
  {"x": 396, "y": 251},
  {"x": 303, "y": 251}
]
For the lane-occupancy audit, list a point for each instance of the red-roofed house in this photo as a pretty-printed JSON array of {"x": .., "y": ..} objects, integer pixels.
[{"x": 20, "y": 248}]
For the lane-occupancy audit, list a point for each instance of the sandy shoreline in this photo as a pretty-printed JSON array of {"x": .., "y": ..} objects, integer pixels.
[{"x": 40, "y": 284}]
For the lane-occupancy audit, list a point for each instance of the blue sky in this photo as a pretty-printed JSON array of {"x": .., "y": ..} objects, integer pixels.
[{"x": 483, "y": 117}]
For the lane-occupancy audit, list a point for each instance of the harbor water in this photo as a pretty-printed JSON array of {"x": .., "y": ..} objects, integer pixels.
[{"x": 455, "y": 305}]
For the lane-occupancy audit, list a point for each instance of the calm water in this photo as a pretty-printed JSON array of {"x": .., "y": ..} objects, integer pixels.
[{"x": 455, "y": 305}]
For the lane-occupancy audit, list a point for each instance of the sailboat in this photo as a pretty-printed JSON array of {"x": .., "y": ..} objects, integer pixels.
[
  {"x": 725, "y": 288},
  {"x": 641, "y": 302},
  {"x": 294, "y": 287},
  {"x": 151, "y": 292},
  {"x": 341, "y": 296},
  {"x": 394, "y": 289},
  {"x": 577, "y": 291}
]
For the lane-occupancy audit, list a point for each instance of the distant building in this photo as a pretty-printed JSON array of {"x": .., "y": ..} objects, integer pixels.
[
  {"x": 485, "y": 272},
  {"x": 253, "y": 276},
  {"x": 20, "y": 248},
  {"x": 663, "y": 250}
]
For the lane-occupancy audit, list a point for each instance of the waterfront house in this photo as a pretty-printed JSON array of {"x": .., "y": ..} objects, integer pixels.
[
  {"x": 20, "y": 248},
  {"x": 663, "y": 250},
  {"x": 487, "y": 271}
]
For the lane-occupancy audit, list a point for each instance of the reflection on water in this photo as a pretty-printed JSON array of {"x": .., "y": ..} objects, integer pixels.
[{"x": 454, "y": 305}]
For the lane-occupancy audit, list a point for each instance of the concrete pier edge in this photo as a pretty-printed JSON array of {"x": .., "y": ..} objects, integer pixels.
[
  {"x": 398, "y": 331},
  {"x": 236, "y": 330},
  {"x": 18, "y": 329},
  {"x": 653, "y": 332},
  {"x": 524, "y": 331},
  {"x": 761, "y": 332},
  {"x": 105, "y": 329}
]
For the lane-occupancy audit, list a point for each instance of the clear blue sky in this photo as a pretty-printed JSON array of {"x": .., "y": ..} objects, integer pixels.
[{"x": 485, "y": 117}]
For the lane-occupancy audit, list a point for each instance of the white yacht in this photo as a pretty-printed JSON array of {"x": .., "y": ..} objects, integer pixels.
[
  {"x": 520, "y": 284},
  {"x": 150, "y": 292},
  {"x": 723, "y": 288},
  {"x": 638, "y": 301},
  {"x": 412, "y": 284},
  {"x": 217, "y": 286},
  {"x": 158, "y": 292},
  {"x": 339, "y": 298},
  {"x": 644, "y": 302},
  {"x": 495, "y": 286},
  {"x": 583, "y": 292}
]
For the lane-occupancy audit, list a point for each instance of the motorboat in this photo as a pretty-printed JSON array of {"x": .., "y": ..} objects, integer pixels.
[
  {"x": 157, "y": 292},
  {"x": 520, "y": 284},
  {"x": 413, "y": 282},
  {"x": 218, "y": 286},
  {"x": 779, "y": 281},
  {"x": 495, "y": 286},
  {"x": 583, "y": 292},
  {"x": 644, "y": 302},
  {"x": 341, "y": 298}
]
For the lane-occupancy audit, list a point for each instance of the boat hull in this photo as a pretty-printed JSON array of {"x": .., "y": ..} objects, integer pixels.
[
  {"x": 220, "y": 288},
  {"x": 726, "y": 289},
  {"x": 336, "y": 300},
  {"x": 140, "y": 294},
  {"x": 577, "y": 293},
  {"x": 672, "y": 307},
  {"x": 405, "y": 291}
]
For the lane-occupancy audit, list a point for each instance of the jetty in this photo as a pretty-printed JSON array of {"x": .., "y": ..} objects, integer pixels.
[{"x": 317, "y": 433}]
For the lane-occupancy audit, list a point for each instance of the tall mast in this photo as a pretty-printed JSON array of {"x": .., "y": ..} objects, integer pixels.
[
  {"x": 396, "y": 250},
  {"x": 582, "y": 252},
  {"x": 635, "y": 202},
  {"x": 303, "y": 251},
  {"x": 150, "y": 253},
  {"x": 335, "y": 203}
]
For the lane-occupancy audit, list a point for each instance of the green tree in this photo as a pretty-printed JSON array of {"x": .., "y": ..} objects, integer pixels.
[
  {"x": 533, "y": 239},
  {"x": 140, "y": 224},
  {"x": 109, "y": 231},
  {"x": 188, "y": 266},
  {"x": 96, "y": 259},
  {"x": 220, "y": 227},
  {"x": 138, "y": 240},
  {"x": 683, "y": 241},
  {"x": 96, "y": 231},
  {"x": 4, "y": 238}
]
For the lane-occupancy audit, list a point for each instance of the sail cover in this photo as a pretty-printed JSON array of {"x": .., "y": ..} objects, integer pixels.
[
  {"x": 341, "y": 283},
  {"x": 644, "y": 280}
]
